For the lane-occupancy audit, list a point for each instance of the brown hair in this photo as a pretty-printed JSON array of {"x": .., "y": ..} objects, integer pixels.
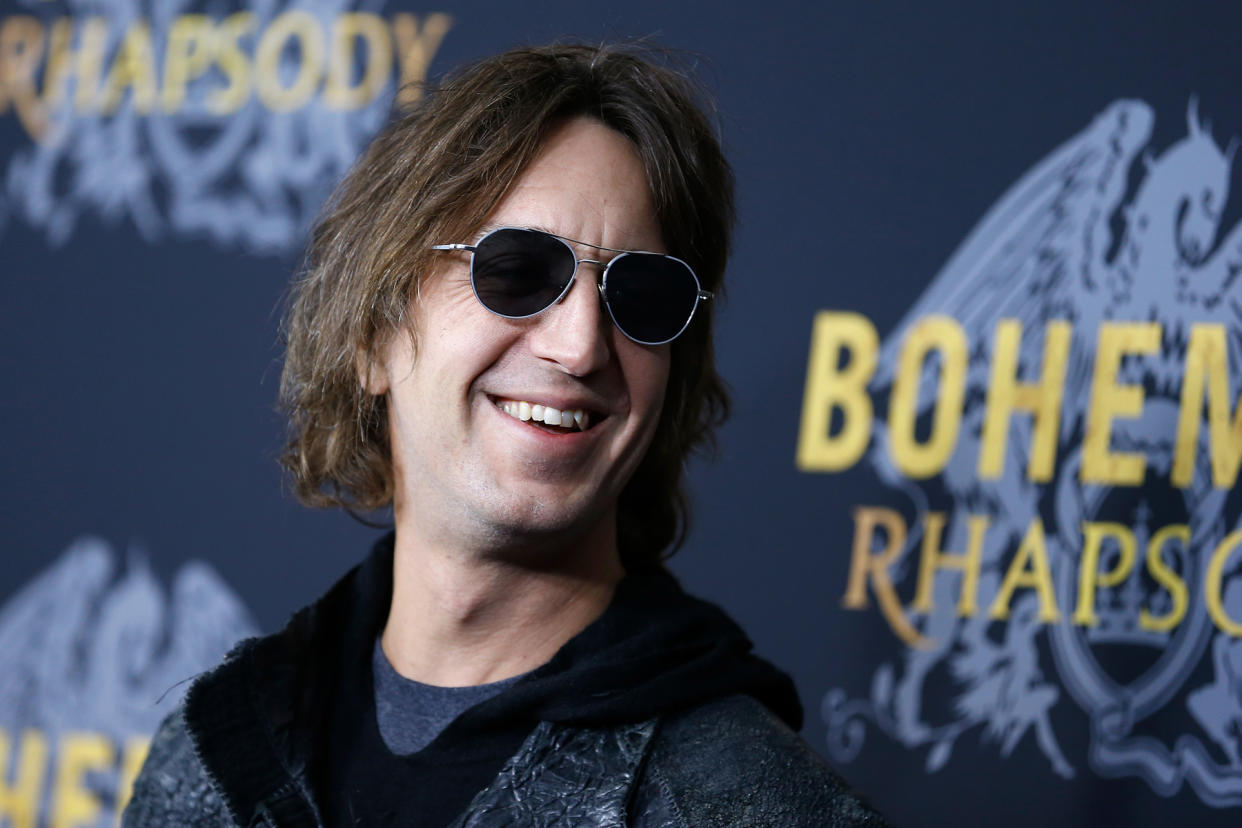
[{"x": 436, "y": 172}]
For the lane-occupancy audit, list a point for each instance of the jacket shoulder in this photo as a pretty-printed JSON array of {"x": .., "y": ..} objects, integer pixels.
[
  {"x": 173, "y": 787},
  {"x": 732, "y": 762}
]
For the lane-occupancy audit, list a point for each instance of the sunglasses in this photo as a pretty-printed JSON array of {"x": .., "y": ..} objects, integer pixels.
[{"x": 516, "y": 272}]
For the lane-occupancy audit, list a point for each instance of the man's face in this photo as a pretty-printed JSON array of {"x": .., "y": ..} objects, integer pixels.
[{"x": 467, "y": 471}]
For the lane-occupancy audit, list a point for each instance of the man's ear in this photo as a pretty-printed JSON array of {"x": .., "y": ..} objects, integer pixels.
[{"x": 372, "y": 373}]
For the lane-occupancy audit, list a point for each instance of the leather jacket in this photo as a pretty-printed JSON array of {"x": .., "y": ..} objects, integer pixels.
[
  {"x": 241, "y": 749},
  {"x": 728, "y": 763}
]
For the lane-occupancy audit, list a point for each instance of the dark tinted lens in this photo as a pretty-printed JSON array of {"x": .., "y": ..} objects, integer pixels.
[
  {"x": 650, "y": 296},
  {"x": 520, "y": 272}
]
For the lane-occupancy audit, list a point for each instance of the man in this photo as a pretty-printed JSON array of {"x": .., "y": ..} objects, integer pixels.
[{"x": 505, "y": 332}]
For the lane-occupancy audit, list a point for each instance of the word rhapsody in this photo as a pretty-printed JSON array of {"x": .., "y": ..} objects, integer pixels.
[
  {"x": 1029, "y": 569},
  {"x": 347, "y": 61}
]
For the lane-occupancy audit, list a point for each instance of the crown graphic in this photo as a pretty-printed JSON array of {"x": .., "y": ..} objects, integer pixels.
[{"x": 1118, "y": 608}]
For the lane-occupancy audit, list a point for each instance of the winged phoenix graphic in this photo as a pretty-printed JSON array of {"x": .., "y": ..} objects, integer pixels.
[
  {"x": 1102, "y": 230},
  {"x": 91, "y": 648}
]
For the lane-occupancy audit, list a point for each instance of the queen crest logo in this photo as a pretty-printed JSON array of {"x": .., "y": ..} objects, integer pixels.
[
  {"x": 1067, "y": 385},
  {"x": 228, "y": 121},
  {"x": 93, "y": 655}
]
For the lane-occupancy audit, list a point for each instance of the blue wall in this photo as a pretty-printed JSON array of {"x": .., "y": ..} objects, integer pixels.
[{"x": 144, "y": 253}]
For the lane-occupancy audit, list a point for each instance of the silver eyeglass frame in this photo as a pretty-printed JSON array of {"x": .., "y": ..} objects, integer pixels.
[{"x": 601, "y": 284}]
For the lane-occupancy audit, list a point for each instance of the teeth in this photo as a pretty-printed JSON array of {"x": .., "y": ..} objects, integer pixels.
[{"x": 546, "y": 414}]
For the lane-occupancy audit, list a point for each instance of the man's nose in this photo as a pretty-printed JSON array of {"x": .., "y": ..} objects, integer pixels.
[{"x": 575, "y": 332}]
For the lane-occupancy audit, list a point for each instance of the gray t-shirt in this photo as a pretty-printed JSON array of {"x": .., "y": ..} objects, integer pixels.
[{"x": 411, "y": 714}]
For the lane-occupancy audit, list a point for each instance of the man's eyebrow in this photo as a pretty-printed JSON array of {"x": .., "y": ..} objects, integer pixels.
[{"x": 542, "y": 228}]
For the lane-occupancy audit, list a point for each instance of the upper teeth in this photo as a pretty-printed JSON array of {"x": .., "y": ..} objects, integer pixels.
[{"x": 546, "y": 414}]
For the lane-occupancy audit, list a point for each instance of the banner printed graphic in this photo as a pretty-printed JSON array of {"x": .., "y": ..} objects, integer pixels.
[
  {"x": 92, "y": 657},
  {"x": 224, "y": 121},
  {"x": 1068, "y": 385}
]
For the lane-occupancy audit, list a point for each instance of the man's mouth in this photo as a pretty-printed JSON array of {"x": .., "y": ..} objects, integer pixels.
[{"x": 552, "y": 419}]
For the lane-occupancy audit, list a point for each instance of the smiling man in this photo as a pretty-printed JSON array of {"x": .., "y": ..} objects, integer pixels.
[{"x": 505, "y": 333}]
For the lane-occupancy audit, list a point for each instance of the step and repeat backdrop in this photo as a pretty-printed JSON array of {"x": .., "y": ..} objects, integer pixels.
[{"x": 983, "y": 325}]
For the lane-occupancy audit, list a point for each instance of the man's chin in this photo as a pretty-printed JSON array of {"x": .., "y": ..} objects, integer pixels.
[{"x": 552, "y": 535}]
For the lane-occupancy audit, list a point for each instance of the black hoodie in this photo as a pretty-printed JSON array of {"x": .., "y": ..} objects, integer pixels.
[{"x": 655, "y": 650}]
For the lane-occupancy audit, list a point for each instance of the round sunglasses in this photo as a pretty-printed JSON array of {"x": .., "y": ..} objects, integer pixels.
[{"x": 517, "y": 272}]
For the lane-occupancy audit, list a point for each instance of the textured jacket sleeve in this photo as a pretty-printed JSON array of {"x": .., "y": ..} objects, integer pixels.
[
  {"x": 173, "y": 787},
  {"x": 732, "y": 762}
]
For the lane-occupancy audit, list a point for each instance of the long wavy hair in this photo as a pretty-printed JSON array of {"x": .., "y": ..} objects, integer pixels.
[{"x": 436, "y": 172}]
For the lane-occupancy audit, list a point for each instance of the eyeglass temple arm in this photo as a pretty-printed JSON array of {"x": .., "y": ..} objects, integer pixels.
[{"x": 469, "y": 247}]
